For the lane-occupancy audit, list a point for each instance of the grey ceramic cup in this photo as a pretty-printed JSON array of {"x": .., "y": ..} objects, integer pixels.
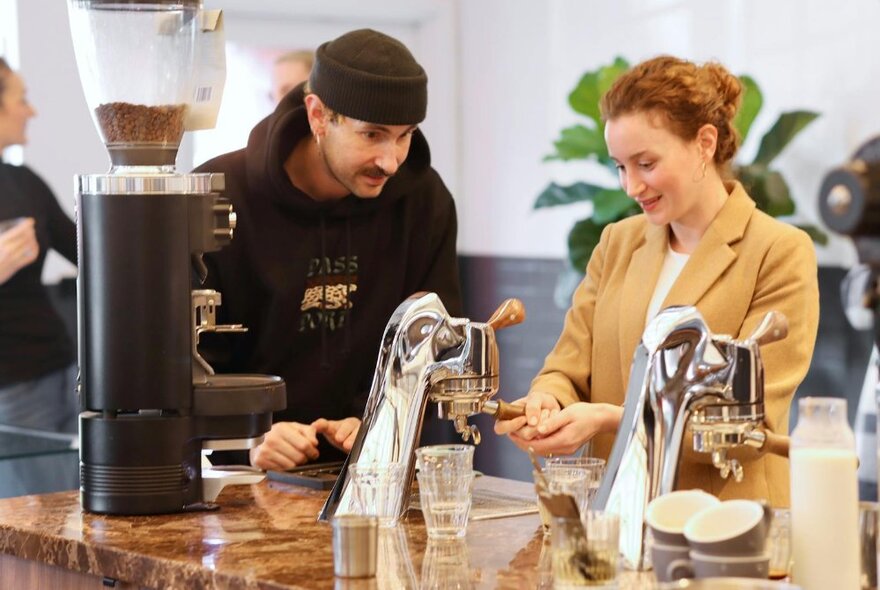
[
  {"x": 671, "y": 562},
  {"x": 732, "y": 528},
  {"x": 718, "y": 566},
  {"x": 667, "y": 514}
]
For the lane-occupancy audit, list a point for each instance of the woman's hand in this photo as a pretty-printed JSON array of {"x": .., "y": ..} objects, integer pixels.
[
  {"x": 564, "y": 432},
  {"x": 538, "y": 406},
  {"x": 18, "y": 248}
]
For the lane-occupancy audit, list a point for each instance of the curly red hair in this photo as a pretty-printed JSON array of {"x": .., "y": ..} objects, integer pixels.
[{"x": 686, "y": 96}]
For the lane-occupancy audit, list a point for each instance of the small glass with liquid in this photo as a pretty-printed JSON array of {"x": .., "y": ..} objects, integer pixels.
[
  {"x": 585, "y": 560},
  {"x": 445, "y": 499}
]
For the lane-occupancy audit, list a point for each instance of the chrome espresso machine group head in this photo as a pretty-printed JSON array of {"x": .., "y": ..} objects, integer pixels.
[
  {"x": 150, "y": 404},
  {"x": 425, "y": 355},
  {"x": 686, "y": 385}
]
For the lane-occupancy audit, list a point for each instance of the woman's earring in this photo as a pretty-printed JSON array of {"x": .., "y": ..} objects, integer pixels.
[{"x": 702, "y": 173}]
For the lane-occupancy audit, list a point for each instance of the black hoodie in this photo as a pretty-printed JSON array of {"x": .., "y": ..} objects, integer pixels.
[{"x": 319, "y": 325}]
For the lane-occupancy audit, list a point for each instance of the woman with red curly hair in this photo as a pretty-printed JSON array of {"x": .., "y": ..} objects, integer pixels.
[{"x": 700, "y": 241}]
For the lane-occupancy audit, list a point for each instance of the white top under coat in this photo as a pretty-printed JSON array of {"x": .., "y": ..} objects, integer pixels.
[{"x": 672, "y": 266}]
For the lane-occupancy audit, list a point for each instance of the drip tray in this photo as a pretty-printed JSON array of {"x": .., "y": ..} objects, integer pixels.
[{"x": 486, "y": 505}]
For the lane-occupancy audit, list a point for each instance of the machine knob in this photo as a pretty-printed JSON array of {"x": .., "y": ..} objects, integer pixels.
[
  {"x": 510, "y": 313},
  {"x": 773, "y": 327}
]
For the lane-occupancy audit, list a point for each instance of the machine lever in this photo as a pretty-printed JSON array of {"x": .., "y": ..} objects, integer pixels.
[{"x": 510, "y": 313}]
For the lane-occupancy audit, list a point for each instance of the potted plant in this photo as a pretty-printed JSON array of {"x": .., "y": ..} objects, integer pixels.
[{"x": 586, "y": 141}]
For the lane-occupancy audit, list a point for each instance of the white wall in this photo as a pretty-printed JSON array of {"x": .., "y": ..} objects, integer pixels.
[
  {"x": 62, "y": 140},
  {"x": 500, "y": 74},
  {"x": 9, "y": 52}
]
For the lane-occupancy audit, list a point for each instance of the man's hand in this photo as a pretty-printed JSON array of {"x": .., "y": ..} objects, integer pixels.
[
  {"x": 18, "y": 248},
  {"x": 340, "y": 433},
  {"x": 287, "y": 445}
]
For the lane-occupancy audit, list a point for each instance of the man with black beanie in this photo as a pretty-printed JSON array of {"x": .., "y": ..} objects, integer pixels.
[{"x": 340, "y": 218}]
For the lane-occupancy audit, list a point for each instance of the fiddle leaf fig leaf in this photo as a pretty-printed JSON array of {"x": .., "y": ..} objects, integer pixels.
[
  {"x": 555, "y": 194},
  {"x": 779, "y": 201},
  {"x": 767, "y": 188},
  {"x": 815, "y": 233},
  {"x": 577, "y": 143},
  {"x": 752, "y": 102},
  {"x": 584, "y": 99},
  {"x": 783, "y": 131}
]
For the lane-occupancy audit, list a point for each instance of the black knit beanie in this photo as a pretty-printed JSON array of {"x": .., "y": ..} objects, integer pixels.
[{"x": 371, "y": 77}]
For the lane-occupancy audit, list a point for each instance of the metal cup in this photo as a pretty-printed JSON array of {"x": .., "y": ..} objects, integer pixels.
[
  {"x": 868, "y": 543},
  {"x": 354, "y": 546}
]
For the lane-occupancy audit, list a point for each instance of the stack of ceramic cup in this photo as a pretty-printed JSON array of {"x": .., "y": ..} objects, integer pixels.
[{"x": 696, "y": 535}]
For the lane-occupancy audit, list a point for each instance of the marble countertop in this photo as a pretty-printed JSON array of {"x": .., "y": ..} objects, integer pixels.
[{"x": 265, "y": 536}]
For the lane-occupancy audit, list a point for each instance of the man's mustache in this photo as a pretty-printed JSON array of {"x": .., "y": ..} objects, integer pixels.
[{"x": 377, "y": 172}]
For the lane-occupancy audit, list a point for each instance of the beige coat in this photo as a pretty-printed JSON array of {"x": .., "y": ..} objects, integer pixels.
[{"x": 746, "y": 264}]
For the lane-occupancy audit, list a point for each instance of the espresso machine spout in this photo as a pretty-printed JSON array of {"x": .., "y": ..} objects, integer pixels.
[
  {"x": 684, "y": 382},
  {"x": 425, "y": 355}
]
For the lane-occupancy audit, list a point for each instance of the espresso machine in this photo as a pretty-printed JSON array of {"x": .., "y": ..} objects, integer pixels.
[
  {"x": 150, "y": 403},
  {"x": 425, "y": 354},
  {"x": 686, "y": 386}
]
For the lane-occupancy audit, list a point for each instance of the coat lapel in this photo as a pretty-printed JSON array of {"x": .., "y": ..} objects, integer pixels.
[
  {"x": 706, "y": 265},
  {"x": 641, "y": 275},
  {"x": 713, "y": 254}
]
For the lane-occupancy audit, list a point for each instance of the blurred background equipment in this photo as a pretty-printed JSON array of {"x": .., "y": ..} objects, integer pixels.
[{"x": 849, "y": 201}]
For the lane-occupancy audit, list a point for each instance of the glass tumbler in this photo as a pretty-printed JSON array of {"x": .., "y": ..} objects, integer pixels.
[
  {"x": 454, "y": 458},
  {"x": 445, "y": 499},
  {"x": 376, "y": 491},
  {"x": 779, "y": 544},
  {"x": 585, "y": 551},
  {"x": 594, "y": 467}
]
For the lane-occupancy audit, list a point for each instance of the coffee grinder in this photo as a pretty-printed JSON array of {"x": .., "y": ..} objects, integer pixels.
[{"x": 150, "y": 403}]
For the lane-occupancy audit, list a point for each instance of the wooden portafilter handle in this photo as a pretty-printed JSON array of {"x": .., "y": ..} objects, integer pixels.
[
  {"x": 501, "y": 410},
  {"x": 510, "y": 313}
]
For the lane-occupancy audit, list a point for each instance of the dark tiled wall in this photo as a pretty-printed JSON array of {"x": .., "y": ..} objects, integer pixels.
[{"x": 838, "y": 366}]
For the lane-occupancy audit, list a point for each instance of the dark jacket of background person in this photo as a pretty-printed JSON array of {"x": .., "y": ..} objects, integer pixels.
[
  {"x": 33, "y": 339},
  {"x": 316, "y": 282}
]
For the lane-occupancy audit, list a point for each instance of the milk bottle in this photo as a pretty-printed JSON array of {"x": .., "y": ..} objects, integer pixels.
[{"x": 824, "y": 498}]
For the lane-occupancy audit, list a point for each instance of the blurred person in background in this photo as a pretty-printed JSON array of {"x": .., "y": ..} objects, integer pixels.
[
  {"x": 37, "y": 368},
  {"x": 289, "y": 71}
]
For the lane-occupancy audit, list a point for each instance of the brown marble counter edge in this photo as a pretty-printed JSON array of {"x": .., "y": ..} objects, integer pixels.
[{"x": 142, "y": 570}]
